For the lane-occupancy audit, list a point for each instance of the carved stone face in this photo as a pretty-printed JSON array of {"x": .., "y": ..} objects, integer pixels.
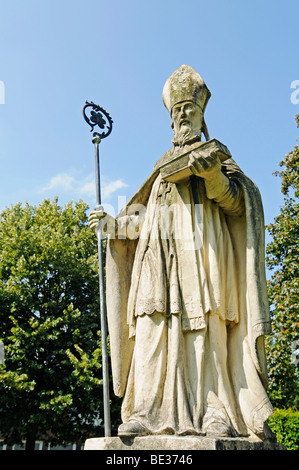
[{"x": 187, "y": 118}]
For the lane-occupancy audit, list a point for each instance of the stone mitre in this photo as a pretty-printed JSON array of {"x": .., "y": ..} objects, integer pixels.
[{"x": 185, "y": 84}]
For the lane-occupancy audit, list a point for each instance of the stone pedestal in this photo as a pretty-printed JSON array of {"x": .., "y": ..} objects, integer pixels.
[{"x": 173, "y": 443}]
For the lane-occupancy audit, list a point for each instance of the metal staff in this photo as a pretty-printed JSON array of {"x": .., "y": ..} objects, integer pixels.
[{"x": 99, "y": 117}]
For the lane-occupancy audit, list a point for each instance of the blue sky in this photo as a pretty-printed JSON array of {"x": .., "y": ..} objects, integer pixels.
[{"x": 54, "y": 55}]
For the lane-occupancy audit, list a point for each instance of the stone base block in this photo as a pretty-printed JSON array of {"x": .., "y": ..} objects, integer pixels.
[{"x": 184, "y": 443}]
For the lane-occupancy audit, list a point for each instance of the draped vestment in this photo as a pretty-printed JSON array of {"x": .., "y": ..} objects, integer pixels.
[{"x": 187, "y": 305}]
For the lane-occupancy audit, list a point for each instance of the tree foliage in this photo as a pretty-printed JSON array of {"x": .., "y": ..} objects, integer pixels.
[
  {"x": 50, "y": 383},
  {"x": 282, "y": 259},
  {"x": 285, "y": 425}
]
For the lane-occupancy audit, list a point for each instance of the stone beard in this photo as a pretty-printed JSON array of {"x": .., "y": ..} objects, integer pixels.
[{"x": 187, "y": 318}]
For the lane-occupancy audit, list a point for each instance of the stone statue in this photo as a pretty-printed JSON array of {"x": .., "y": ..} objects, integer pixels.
[{"x": 186, "y": 290}]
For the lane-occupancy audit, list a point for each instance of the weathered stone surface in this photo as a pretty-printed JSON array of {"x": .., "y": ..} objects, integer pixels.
[
  {"x": 187, "y": 302},
  {"x": 185, "y": 443}
]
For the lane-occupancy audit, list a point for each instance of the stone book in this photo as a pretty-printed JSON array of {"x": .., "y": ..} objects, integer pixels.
[{"x": 176, "y": 167}]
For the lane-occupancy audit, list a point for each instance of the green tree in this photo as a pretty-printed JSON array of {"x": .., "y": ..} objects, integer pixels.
[
  {"x": 51, "y": 381},
  {"x": 282, "y": 257}
]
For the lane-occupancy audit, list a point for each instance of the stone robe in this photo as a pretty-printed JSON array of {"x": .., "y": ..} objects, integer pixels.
[{"x": 187, "y": 306}]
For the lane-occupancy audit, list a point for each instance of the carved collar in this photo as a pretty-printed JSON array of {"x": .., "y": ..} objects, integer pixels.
[{"x": 186, "y": 141}]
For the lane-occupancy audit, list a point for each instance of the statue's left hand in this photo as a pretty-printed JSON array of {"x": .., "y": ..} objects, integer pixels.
[{"x": 208, "y": 168}]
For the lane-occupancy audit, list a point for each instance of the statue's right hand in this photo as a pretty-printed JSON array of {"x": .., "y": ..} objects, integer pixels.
[{"x": 95, "y": 216}]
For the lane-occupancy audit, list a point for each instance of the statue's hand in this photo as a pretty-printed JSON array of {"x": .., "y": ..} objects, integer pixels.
[
  {"x": 95, "y": 216},
  {"x": 205, "y": 167}
]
